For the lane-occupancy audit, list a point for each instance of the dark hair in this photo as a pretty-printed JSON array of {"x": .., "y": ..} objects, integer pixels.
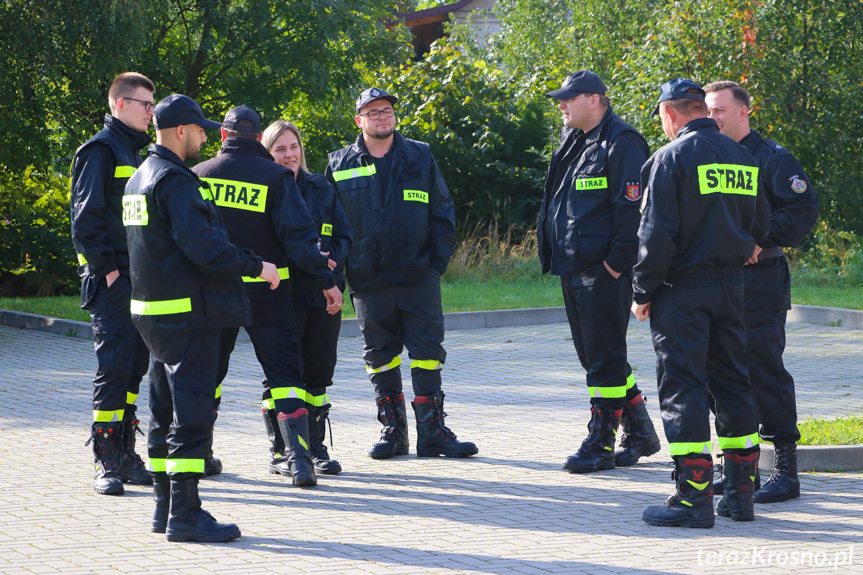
[
  {"x": 126, "y": 82},
  {"x": 740, "y": 94},
  {"x": 604, "y": 101},
  {"x": 689, "y": 106},
  {"x": 245, "y": 133}
]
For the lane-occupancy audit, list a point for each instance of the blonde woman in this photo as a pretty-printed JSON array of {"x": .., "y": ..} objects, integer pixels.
[{"x": 317, "y": 330}]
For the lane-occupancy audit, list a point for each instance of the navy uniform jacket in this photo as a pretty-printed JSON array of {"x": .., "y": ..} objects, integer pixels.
[
  {"x": 793, "y": 213},
  {"x": 100, "y": 170},
  {"x": 335, "y": 236},
  {"x": 592, "y": 213},
  {"x": 705, "y": 209},
  {"x": 185, "y": 272},
  {"x": 399, "y": 233},
  {"x": 264, "y": 212}
]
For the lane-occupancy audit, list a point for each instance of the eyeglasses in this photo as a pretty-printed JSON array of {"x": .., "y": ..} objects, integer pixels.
[
  {"x": 148, "y": 106},
  {"x": 377, "y": 114}
]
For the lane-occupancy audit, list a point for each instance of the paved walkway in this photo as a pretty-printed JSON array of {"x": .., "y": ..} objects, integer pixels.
[{"x": 518, "y": 392}]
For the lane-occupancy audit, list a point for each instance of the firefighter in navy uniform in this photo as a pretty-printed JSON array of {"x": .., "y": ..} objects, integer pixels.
[
  {"x": 404, "y": 228},
  {"x": 704, "y": 211},
  {"x": 587, "y": 235},
  {"x": 100, "y": 170},
  {"x": 794, "y": 211},
  {"x": 186, "y": 287},
  {"x": 317, "y": 330},
  {"x": 263, "y": 211}
]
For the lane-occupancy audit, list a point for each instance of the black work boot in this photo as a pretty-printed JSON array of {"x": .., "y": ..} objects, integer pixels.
[
  {"x": 278, "y": 458},
  {"x": 639, "y": 436},
  {"x": 318, "y": 417},
  {"x": 433, "y": 437},
  {"x": 783, "y": 483},
  {"x": 132, "y": 468},
  {"x": 738, "y": 500},
  {"x": 394, "y": 435},
  {"x": 692, "y": 504},
  {"x": 188, "y": 522},
  {"x": 597, "y": 450},
  {"x": 212, "y": 465},
  {"x": 107, "y": 441},
  {"x": 294, "y": 428},
  {"x": 162, "y": 497}
]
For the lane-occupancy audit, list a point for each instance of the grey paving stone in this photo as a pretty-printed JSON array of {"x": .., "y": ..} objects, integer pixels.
[{"x": 517, "y": 391}]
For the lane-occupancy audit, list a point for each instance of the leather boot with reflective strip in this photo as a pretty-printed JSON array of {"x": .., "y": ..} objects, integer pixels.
[
  {"x": 318, "y": 416},
  {"x": 738, "y": 502},
  {"x": 188, "y": 522},
  {"x": 692, "y": 504},
  {"x": 433, "y": 437},
  {"x": 639, "y": 436},
  {"x": 107, "y": 441},
  {"x": 394, "y": 435},
  {"x": 719, "y": 479},
  {"x": 162, "y": 497},
  {"x": 783, "y": 483},
  {"x": 132, "y": 468},
  {"x": 597, "y": 450},
  {"x": 278, "y": 457},
  {"x": 294, "y": 428}
]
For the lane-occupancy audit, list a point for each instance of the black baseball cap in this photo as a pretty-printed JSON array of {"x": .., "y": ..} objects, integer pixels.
[
  {"x": 242, "y": 119},
  {"x": 179, "y": 110},
  {"x": 371, "y": 94},
  {"x": 678, "y": 89},
  {"x": 581, "y": 82}
]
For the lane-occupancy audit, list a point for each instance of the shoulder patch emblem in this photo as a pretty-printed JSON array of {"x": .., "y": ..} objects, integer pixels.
[
  {"x": 799, "y": 185},
  {"x": 633, "y": 191}
]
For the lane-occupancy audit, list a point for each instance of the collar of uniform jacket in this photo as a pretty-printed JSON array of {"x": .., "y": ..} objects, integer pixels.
[
  {"x": 166, "y": 154},
  {"x": 698, "y": 124},
  {"x": 399, "y": 148},
  {"x": 593, "y": 135},
  {"x": 248, "y": 146},
  {"x": 139, "y": 139},
  {"x": 752, "y": 140}
]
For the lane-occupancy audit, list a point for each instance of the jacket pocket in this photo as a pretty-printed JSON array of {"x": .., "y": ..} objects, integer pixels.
[{"x": 362, "y": 263}]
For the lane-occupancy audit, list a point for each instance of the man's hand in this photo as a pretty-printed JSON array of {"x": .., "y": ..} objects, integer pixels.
[
  {"x": 330, "y": 262},
  {"x": 613, "y": 273},
  {"x": 754, "y": 258},
  {"x": 270, "y": 274},
  {"x": 112, "y": 277},
  {"x": 334, "y": 299},
  {"x": 641, "y": 310}
]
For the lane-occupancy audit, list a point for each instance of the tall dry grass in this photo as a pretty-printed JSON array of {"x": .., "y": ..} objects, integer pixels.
[{"x": 486, "y": 254}]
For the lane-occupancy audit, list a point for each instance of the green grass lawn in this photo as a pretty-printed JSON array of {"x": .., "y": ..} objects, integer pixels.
[
  {"x": 840, "y": 431},
  {"x": 466, "y": 295}
]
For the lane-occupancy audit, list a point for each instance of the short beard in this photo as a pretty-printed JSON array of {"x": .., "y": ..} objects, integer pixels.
[
  {"x": 381, "y": 136},
  {"x": 192, "y": 151}
]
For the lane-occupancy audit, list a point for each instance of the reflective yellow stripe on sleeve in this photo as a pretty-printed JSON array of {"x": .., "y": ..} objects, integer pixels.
[
  {"x": 124, "y": 171},
  {"x": 284, "y": 273},
  {"x": 352, "y": 173},
  {"x": 82, "y": 261},
  {"x": 165, "y": 307}
]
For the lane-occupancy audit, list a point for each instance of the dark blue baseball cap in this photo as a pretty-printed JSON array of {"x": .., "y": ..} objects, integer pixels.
[
  {"x": 678, "y": 89},
  {"x": 180, "y": 110},
  {"x": 581, "y": 82},
  {"x": 242, "y": 119},
  {"x": 371, "y": 94}
]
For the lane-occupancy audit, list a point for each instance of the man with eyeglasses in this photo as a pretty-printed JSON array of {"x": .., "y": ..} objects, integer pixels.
[
  {"x": 404, "y": 228},
  {"x": 100, "y": 170}
]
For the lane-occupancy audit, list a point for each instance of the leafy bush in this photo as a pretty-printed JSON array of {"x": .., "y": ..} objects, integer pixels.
[{"x": 37, "y": 257}]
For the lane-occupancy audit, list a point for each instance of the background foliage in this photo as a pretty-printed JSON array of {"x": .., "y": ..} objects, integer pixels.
[{"x": 479, "y": 105}]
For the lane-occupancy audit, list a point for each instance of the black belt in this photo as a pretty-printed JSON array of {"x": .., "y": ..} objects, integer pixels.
[{"x": 771, "y": 253}]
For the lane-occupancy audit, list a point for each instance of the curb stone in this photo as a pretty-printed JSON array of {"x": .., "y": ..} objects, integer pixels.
[{"x": 818, "y": 458}]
